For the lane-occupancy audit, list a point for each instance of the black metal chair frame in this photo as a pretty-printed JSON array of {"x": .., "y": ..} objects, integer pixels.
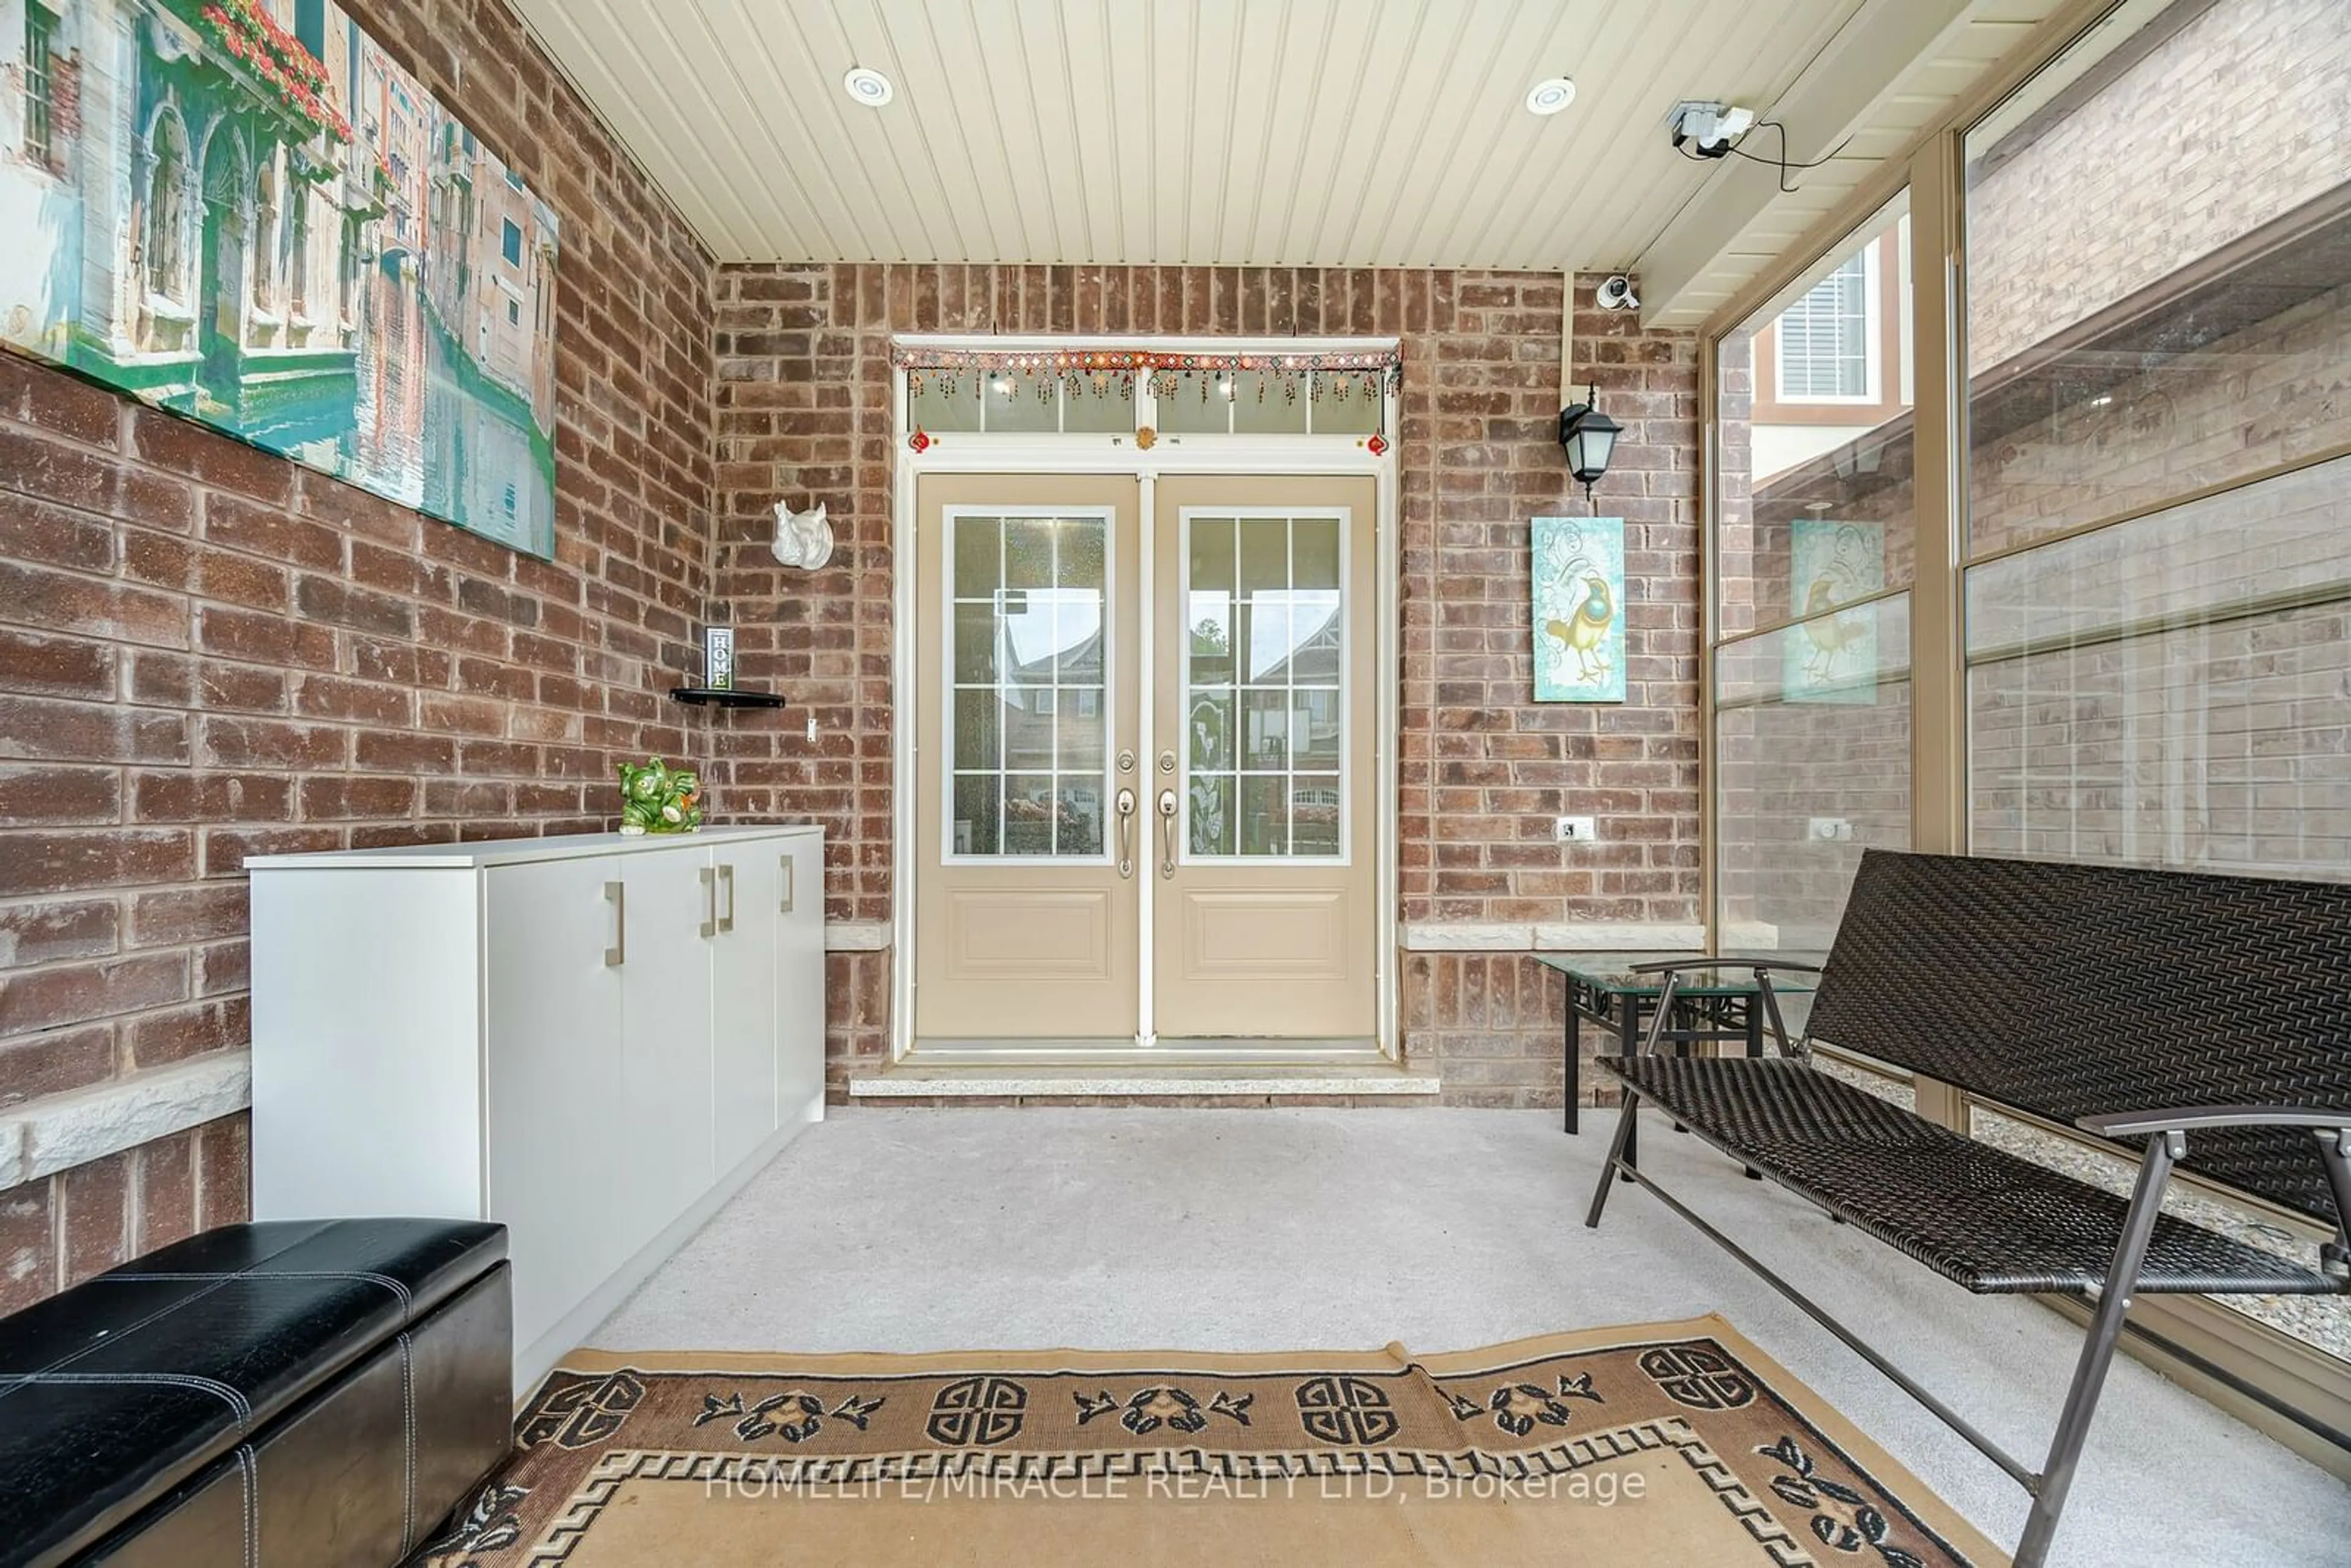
[{"x": 2167, "y": 1132}]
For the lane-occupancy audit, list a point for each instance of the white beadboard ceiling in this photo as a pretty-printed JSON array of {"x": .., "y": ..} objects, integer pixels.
[{"x": 1277, "y": 132}]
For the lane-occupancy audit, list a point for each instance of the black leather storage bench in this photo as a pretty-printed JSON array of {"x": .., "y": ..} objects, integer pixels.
[{"x": 297, "y": 1393}]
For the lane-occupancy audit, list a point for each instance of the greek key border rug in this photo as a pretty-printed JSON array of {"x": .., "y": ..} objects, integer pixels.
[{"x": 1658, "y": 1443}]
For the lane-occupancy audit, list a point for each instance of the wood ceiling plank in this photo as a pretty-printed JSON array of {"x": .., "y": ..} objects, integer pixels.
[
  {"x": 971, "y": 177},
  {"x": 1449, "y": 87},
  {"x": 863, "y": 33},
  {"x": 1095, "y": 129},
  {"x": 1040, "y": 124},
  {"x": 1014, "y": 186},
  {"x": 758, "y": 96},
  {"x": 1521, "y": 159},
  {"x": 1281, "y": 164},
  {"x": 856, "y": 137},
  {"x": 1619, "y": 128},
  {"x": 1329, "y": 133},
  {"x": 1167, "y": 88},
  {"x": 1259, "y": 62},
  {"x": 1207, "y": 126},
  {"x": 658, "y": 70},
  {"x": 1365, "y": 105},
  {"x": 1127, "y": 51},
  {"x": 566, "y": 33}
]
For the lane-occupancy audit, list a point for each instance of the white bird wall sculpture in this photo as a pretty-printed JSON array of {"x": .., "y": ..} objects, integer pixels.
[{"x": 803, "y": 540}]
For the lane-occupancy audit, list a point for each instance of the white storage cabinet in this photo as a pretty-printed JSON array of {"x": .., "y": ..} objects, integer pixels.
[{"x": 593, "y": 1039}]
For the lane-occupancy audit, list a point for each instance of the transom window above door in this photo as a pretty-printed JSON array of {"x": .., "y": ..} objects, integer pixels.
[{"x": 1121, "y": 392}]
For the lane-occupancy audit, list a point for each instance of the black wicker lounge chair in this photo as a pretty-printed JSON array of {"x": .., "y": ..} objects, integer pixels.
[{"x": 2205, "y": 1018}]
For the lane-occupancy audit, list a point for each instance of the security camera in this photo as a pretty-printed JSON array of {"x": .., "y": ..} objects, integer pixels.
[
  {"x": 1707, "y": 129},
  {"x": 1617, "y": 294}
]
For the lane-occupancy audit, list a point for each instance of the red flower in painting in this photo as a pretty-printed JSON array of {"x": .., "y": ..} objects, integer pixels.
[{"x": 251, "y": 37}]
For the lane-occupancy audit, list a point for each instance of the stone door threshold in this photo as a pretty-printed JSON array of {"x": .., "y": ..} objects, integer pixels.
[{"x": 902, "y": 1082}]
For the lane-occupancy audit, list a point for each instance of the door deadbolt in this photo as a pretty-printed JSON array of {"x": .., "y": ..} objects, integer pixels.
[
  {"x": 1166, "y": 762},
  {"x": 1126, "y": 760}
]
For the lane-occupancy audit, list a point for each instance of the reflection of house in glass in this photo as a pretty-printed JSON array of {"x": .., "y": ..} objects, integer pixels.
[
  {"x": 1053, "y": 744},
  {"x": 1265, "y": 724},
  {"x": 223, "y": 205},
  {"x": 1290, "y": 723}
]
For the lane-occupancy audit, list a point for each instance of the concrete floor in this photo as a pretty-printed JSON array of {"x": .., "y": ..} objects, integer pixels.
[{"x": 1254, "y": 1230}]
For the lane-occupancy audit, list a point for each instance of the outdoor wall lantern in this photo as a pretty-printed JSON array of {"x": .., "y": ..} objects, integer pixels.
[{"x": 1589, "y": 438}]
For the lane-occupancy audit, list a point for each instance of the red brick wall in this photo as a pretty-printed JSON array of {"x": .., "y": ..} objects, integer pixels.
[
  {"x": 803, "y": 412},
  {"x": 207, "y": 652}
]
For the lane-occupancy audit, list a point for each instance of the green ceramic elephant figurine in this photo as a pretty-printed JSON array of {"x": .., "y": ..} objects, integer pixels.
[{"x": 658, "y": 799}]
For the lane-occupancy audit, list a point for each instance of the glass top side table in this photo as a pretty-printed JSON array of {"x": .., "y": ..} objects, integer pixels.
[{"x": 1721, "y": 1001}]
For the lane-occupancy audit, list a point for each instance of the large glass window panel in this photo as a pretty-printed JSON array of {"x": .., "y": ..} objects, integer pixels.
[
  {"x": 1811, "y": 766},
  {"x": 1265, "y": 685},
  {"x": 2172, "y": 690},
  {"x": 1814, "y": 505},
  {"x": 1028, "y": 710},
  {"x": 2159, "y": 278},
  {"x": 2158, "y": 317}
]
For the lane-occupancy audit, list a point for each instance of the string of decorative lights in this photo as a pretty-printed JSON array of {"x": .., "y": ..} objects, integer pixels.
[{"x": 1339, "y": 373}]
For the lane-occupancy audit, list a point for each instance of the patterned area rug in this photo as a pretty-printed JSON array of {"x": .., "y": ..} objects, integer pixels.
[{"x": 1661, "y": 1443}]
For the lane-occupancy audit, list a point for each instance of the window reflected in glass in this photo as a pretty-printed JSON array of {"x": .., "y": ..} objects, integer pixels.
[{"x": 1814, "y": 438}]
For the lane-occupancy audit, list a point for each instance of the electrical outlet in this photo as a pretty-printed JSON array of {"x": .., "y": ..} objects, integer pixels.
[
  {"x": 1574, "y": 829},
  {"x": 1829, "y": 829}
]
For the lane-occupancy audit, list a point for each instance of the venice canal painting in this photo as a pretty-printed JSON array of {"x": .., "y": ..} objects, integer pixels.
[{"x": 247, "y": 212}]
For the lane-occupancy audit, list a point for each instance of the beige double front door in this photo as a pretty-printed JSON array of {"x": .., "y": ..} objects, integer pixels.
[{"x": 1144, "y": 758}]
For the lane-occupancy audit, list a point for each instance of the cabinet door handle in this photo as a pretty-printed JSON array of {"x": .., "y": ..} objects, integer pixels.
[
  {"x": 710, "y": 900},
  {"x": 727, "y": 881},
  {"x": 791, "y": 883},
  {"x": 617, "y": 896}
]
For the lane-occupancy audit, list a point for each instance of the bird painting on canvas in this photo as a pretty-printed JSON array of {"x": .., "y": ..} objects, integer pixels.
[
  {"x": 1578, "y": 609},
  {"x": 1584, "y": 634}
]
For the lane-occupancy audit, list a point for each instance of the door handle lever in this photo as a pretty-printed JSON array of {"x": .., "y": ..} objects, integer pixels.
[
  {"x": 1168, "y": 834},
  {"x": 1126, "y": 833}
]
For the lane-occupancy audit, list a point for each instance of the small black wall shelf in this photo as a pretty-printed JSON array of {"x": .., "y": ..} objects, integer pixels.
[{"x": 713, "y": 697}]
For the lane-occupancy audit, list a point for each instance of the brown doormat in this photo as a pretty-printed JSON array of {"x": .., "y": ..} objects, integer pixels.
[{"x": 1660, "y": 1443}]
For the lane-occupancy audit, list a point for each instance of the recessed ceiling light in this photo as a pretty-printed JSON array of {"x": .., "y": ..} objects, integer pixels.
[
  {"x": 1550, "y": 95},
  {"x": 867, "y": 87}
]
